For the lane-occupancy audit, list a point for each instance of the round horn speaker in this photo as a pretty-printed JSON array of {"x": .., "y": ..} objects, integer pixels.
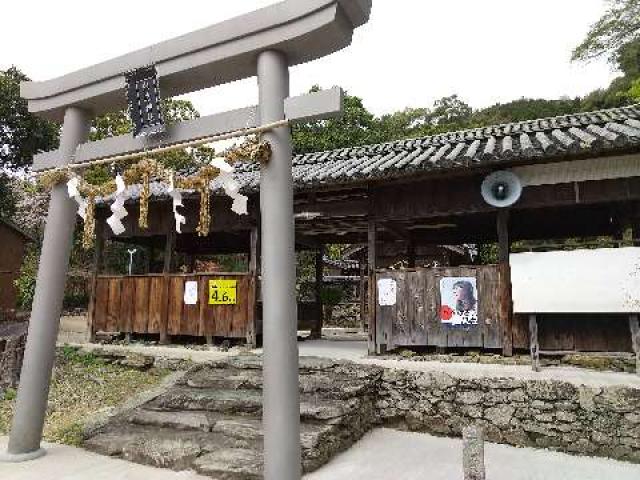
[{"x": 501, "y": 189}]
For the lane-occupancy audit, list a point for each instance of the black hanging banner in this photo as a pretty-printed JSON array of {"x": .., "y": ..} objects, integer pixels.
[{"x": 143, "y": 96}]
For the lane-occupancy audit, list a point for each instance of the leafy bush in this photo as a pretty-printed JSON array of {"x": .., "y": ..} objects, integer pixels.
[
  {"x": 331, "y": 295},
  {"x": 10, "y": 394}
]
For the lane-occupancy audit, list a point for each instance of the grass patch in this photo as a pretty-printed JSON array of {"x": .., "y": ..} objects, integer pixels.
[{"x": 82, "y": 385}]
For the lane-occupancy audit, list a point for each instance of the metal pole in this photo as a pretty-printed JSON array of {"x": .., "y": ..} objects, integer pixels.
[
  {"x": 131, "y": 253},
  {"x": 33, "y": 392},
  {"x": 281, "y": 401}
]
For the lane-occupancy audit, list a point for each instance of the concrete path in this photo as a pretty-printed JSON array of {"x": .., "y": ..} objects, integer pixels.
[
  {"x": 388, "y": 454},
  {"x": 381, "y": 455},
  {"x": 68, "y": 463},
  {"x": 575, "y": 376},
  {"x": 356, "y": 351}
]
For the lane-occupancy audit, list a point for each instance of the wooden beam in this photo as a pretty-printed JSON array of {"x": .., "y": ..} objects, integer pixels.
[
  {"x": 169, "y": 248},
  {"x": 634, "y": 326},
  {"x": 411, "y": 254},
  {"x": 428, "y": 198},
  {"x": 252, "y": 333},
  {"x": 363, "y": 293},
  {"x": 506, "y": 303},
  {"x": 372, "y": 293},
  {"x": 316, "y": 329},
  {"x": 97, "y": 268},
  {"x": 533, "y": 342}
]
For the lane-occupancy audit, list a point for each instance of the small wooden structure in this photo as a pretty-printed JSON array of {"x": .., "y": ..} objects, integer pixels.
[
  {"x": 154, "y": 304},
  {"x": 403, "y": 200},
  {"x": 14, "y": 242},
  {"x": 584, "y": 300}
]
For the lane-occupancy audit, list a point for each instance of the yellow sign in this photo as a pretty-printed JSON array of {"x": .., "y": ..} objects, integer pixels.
[{"x": 223, "y": 292}]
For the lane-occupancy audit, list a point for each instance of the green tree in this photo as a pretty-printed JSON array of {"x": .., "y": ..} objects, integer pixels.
[
  {"x": 619, "y": 26},
  {"x": 22, "y": 134},
  {"x": 118, "y": 123},
  {"x": 7, "y": 197},
  {"x": 616, "y": 37},
  {"x": 450, "y": 113},
  {"x": 524, "y": 109},
  {"x": 356, "y": 127}
]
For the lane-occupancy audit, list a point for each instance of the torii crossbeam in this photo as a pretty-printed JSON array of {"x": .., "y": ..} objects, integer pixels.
[{"x": 264, "y": 43}]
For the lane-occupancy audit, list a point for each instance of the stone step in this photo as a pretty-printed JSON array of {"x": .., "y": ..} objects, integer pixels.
[
  {"x": 231, "y": 464},
  {"x": 210, "y": 420},
  {"x": 224, "y": 379},
  {"x": 318, "y": 382},
  {"x": 244, "y": 428},
  {"x": 162, "y": 447},
  {"x": 247, "y": 402},
  {"x": 179, "y": 420},
  {"x": 239, "y": 438}
]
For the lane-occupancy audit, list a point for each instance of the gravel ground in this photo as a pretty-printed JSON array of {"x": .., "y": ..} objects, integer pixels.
[
  {"x": 83, "y": 387},
  {"x": 387, "y": 454}
]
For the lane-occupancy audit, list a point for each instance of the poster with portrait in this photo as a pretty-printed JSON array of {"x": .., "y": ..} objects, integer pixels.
[{"x": 459, "y": 301}]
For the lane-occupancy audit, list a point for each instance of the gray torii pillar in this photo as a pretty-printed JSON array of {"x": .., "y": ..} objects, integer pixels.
[
  {"x": 33, "y": 391},
  {"x": 281, "y": 399}
]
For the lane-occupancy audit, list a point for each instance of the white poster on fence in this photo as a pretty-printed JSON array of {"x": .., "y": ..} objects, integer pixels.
[
  {"x": 191, "y": 293},
  {"x": 387, "y": 292},
  {"x": 459, "y": 301}
]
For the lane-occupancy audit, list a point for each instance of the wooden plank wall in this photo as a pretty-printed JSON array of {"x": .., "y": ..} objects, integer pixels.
[
  {"x": 155, "y": 303},
  {"x": 584, "y": 333},
  {"x": 415, "y": 318}
]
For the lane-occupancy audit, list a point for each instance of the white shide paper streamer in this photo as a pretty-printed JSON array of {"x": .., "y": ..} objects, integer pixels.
[
  {"x": 177, "y": 202},
  {"x": 117, "y": 208},
  {"x": 72, "y": 189},
  {"x": 231, "y": 186}
]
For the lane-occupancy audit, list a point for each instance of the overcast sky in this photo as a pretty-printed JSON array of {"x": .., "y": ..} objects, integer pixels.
[{"x": 411, "y": 53}]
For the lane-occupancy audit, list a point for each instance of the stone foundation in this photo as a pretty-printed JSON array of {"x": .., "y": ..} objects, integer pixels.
[{"x": 549, "y": 414}]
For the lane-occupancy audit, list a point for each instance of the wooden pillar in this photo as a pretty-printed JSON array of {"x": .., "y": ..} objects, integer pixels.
[
  {"x": 169, "y": 247},
  {"x": 363, "y": 293},
  {"x": 151, "y": 253},
  {"x": 192, "y": 263},
  {"x": 506, "y": 304},
  {"x": 411, "y": 254},
  {"x": 254, "y": 262},
  {"x": 372, "y": 293},
  {"x": 97, "y": 268},
  {"x": 316, "y": 329},
  {"x": 635, "y": 232},
  {"x": 634, "y": 326},
  {"x": 533, "y": 343}
]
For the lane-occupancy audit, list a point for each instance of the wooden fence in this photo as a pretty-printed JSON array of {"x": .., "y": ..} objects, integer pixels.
[
  {"x": 414, "y": 320},
  {"x": 154, "y": 304}
]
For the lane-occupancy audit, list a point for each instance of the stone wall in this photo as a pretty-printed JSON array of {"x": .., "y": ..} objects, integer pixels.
[{"x": 549, "y": 414}]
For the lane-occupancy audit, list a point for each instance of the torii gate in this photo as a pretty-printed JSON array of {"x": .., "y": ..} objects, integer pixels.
[{"x": 263, "y": 43}]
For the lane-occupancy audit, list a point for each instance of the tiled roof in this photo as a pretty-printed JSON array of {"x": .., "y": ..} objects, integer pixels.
[
  {"x": 577, "y": 135},
  {"x": 343, "y": 264}
]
